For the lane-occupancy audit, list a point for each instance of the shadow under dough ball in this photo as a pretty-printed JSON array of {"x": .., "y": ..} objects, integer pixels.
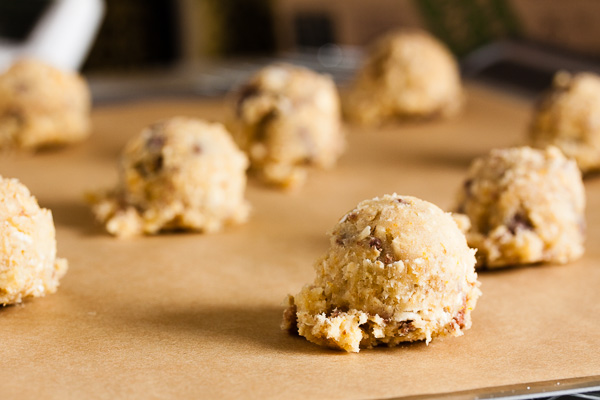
[{"x": 398, "y": 269}]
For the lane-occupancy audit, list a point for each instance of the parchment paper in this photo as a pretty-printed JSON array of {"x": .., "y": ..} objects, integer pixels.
[{"x": 197, "y": 316}]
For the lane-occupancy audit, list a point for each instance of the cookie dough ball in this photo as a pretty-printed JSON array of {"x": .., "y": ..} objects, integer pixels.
[
  {"x": 568, "y": 117},
  {"x": 28, "y": 263},
  {"x": 288, "y": 119},
  {"x": 407, "y": 74},
  {"x": 525, "y": 206},
  {"x": 180, "y": 173},
  {"x": 42, "y": 106},
  {"x": 398, "y": 270}
]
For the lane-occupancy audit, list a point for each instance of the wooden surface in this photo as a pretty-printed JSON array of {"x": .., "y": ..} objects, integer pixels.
[{"x": 192, "y": 315}]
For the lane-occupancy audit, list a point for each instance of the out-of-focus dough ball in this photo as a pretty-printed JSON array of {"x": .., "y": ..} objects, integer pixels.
[
  {"x": 525, "y": 206},
  {"x": 288, "y": 118},
  {"x": 28, "y": 263},
  {"x": 179, "y": 173},
  {"x": 568, "y": 117},
  {"x": 407, "y": 74},
  {"x": 398, "y": 270},
  {"x": 42, "y": 106}
]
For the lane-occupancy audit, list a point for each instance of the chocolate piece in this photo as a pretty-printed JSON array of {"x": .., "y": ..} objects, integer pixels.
[
  {"x": 246, "y": 92},
  {"x": 405, "y": 327},
  {"x": 519, "y": 221},
  {"x": 460, "y": 317},
  {"x": 376, "y": 242}
]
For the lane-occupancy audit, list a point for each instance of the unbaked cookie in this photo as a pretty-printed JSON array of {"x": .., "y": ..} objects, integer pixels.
[
  {"x": 28, "y": 263},
  {"x": 42, "y": 106},
  {"x": 568, "y": 117},
  {"x": 287, "y": 118},
  {"x": 398, "y": 270},
  {"x": 179, "y": 173},
  {"x": 407, "y": 74},
  {"x": 525, "y": 206}
]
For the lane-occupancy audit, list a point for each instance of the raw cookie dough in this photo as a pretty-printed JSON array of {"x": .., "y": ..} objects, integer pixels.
[
  {"x": 398, "y": 270},
  {"x": 42, "y": 106},
  {"x": 28, "y": 263},
  {"x": 525, "y": 206},
  {"x": 407, "y": 74},
  {"x": 568, "y": 117},
  {"x": 179, "y": 173},
  {"x": 288, "y": 118}
]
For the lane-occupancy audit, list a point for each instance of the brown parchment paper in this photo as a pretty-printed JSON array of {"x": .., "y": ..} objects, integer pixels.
[{"x": 197, "y": 316}]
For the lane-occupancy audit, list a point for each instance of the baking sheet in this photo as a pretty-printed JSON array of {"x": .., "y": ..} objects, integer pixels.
[{"x": 192, "y": 315}]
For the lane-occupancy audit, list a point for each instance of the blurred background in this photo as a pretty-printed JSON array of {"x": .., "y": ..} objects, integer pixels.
[
  {"x": 138, "y": 34},
  {"x": 206, "y": 46}
]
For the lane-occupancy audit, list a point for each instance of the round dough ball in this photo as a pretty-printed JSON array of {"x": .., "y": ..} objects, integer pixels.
[
  {"x": 28, "y": 263},
  {"x": 525, "y": 206},
  {"x": 568, "y": 117},
  {"x": 179, "y": 173},
  {"x": 288, "y": 118},
  {"x": 398, "y": 270},
  {"x": 42, "y": 106},
  {"x": 407, "y": 74}
]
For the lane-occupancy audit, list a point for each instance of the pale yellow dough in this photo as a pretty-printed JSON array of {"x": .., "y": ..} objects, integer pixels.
[
  {"x": 180, "y": 173},
  {"x": 525, "y": 206},
  {"x": 288, "y": 118},
  {"x": 42, "y": 106},
  {"x": 407, "y": 74},
  {"x": 568, "y": 117},
  {"x": 28, "y": 263},
  {"x": 398, "y": 270}
]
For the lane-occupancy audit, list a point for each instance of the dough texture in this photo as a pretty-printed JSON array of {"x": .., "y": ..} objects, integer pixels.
[
  {"x": 568, "y": 117},
  {"x": 179, "y": 173},
  {"x": 398, "y": 270},
  {"x": 525, "y": 206},
  {"x": 407, "y": 74},
  {"x": 42, "y": 106},
  {"x": 28, "y": 263},
  {"x": 288, "y": 118}
]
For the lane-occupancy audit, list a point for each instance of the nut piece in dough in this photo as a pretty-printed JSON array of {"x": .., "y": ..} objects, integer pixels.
[
  {"x": 288, "y": 118},
  {"x": 407, "y": 74},
  {"x": 398, "y": 270},
  {"x": 42, "y": 106},
  {"x": 568, "y": 117},
  {"x": 28, "y": 263},
  {"x": 179, "y": 173},
  {"x": 525, "y": 206}
]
